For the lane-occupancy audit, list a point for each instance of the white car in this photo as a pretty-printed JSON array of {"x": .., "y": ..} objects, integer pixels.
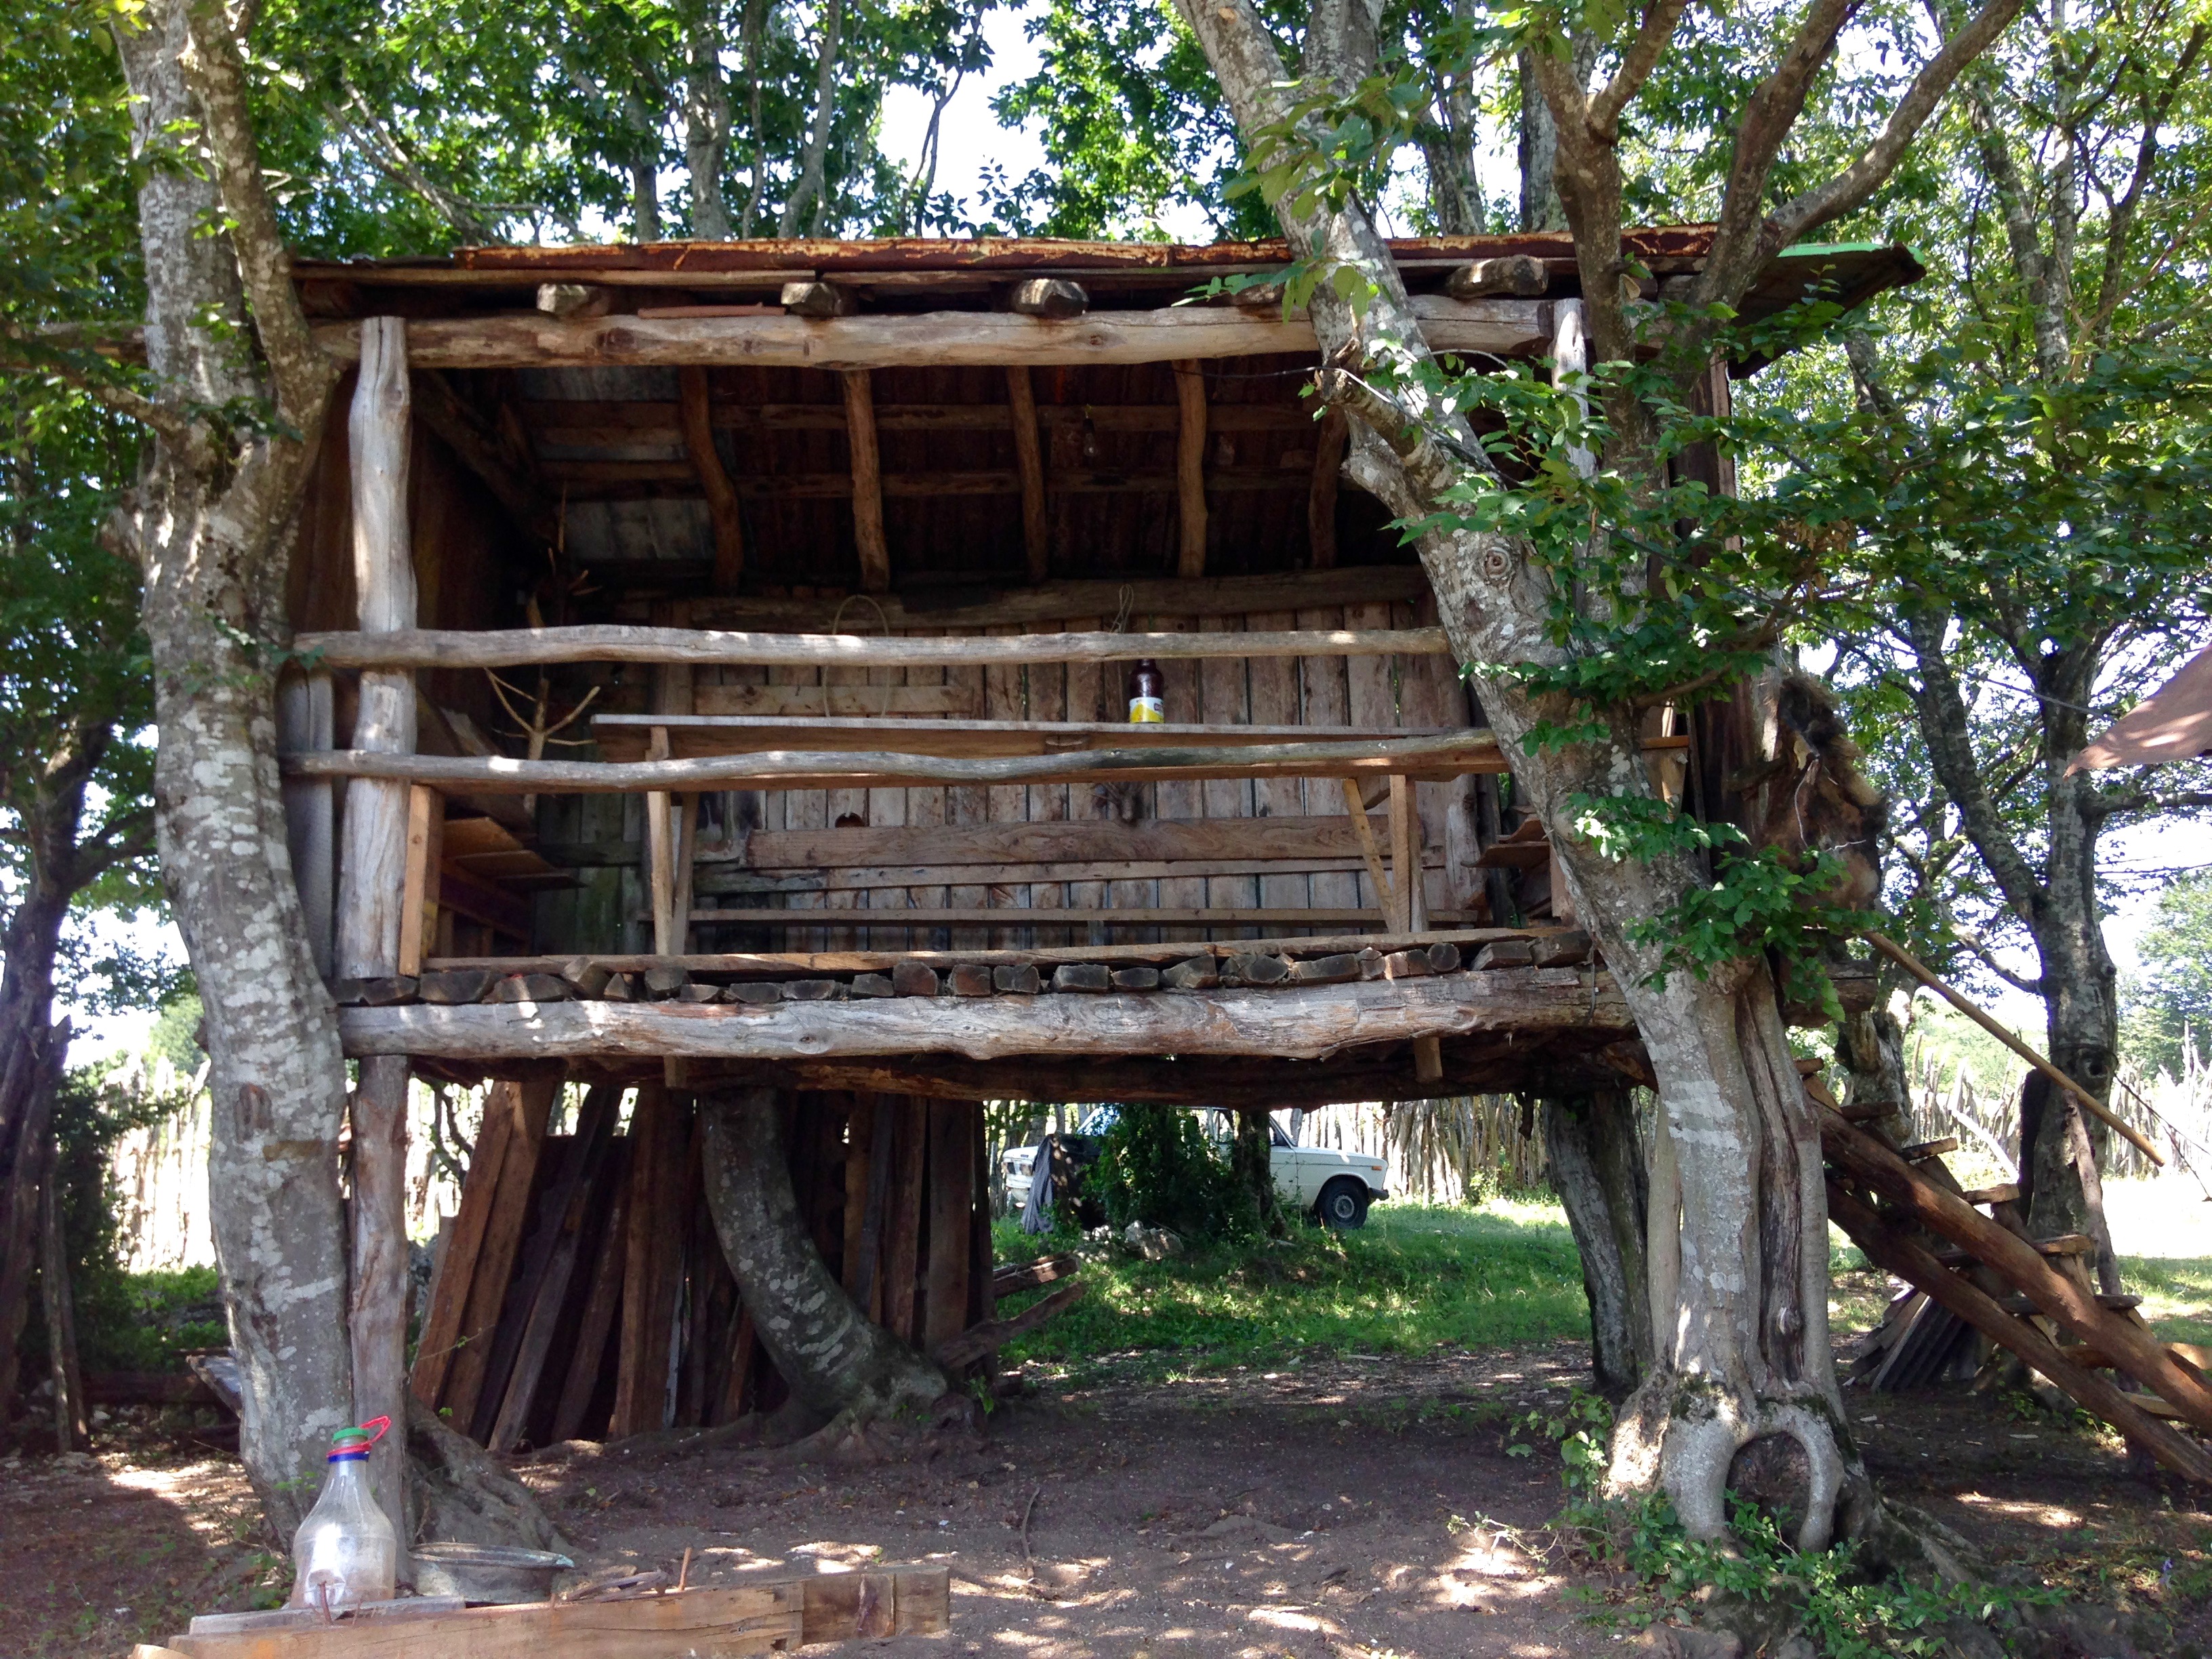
[{"x": 1334, "y": 1188}]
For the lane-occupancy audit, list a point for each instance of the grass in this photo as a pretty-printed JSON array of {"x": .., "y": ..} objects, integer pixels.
[{"x": 1415, "y": 1279}]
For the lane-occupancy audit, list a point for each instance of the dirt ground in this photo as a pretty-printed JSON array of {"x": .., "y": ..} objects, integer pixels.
[{"x": 1339, "y": 1509}]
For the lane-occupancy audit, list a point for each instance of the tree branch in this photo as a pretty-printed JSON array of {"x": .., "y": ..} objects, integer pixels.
[
  {"x": 1604, "y": 115},
  {"x": 1944, "y": 726},
  {"x": 1743, "y": 258},
  {"x": 303, "y": 373}
]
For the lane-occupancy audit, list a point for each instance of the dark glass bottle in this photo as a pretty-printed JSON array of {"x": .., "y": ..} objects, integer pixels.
[{"x": 1147, "y": 694}]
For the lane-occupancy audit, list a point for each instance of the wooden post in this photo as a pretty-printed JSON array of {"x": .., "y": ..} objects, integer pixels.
[
  {"x": 1321, "y": 498},
  {"x": 305, "y": 721},
  {"x": 1405, "y": 856},
  {"x": 1190, "y": 466},
  {"x": 418, "y": 909},
  {"x": 1028, "y": 461},
  {"x": 660, "y": 853},
  {"x": 372, "y": 880},
  {"x": 867, "y": 483},
  {"x": 952, "y": 1170},
  {"x": 652, "y": 1258},
  {"x": 696, "y": 409}
]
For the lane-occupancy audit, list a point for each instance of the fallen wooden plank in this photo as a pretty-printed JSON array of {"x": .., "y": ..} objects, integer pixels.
[
  {"x": 1439, "y": 756},
  {"x": 762, "y": 1616},
  {"x": 512, "y": 647},
  {"x": 1028, "y": 1275},
  {"x": 1305, "y": 1023},
  {"x": 992, "y": 1334}
]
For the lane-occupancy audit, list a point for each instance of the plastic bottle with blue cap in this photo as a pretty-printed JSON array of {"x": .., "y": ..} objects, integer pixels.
[{"x": 345, "y": 1553}]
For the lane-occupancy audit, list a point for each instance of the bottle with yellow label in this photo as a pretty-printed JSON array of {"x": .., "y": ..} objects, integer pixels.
[{"x": 1147, "y": 694}]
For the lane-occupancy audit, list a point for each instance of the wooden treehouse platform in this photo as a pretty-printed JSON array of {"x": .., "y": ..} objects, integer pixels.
[{"x": 708, "y": 672}]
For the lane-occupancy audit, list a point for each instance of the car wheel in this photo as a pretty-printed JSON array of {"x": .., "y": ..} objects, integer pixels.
[{"x": 1343, "y": 1203}]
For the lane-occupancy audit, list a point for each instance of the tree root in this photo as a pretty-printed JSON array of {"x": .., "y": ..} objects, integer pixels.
[
  {"x": 461, "y": 1494},
  {"x": 1682, "y": 1435},
  {"x": 854, "y": 1436}
]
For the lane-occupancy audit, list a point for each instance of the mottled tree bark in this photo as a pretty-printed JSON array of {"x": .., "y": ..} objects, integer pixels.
[
  {"x": 839, "y": 1365},
  {"x": 210, "y": 523},
  {"x": 1598, "y": 1170}
]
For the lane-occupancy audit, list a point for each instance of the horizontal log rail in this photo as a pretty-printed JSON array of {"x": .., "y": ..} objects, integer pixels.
[
  {"x": 1059, "y": 916},
  {"x": 787, "y": 964},
  {"x": 428, "y": 647},
  {"x": 1301, "y": 1022},
  {"x": 937, "y": 339},
  {"x": 696, "y": 737},
  {"x": 1440, "y": 757}
]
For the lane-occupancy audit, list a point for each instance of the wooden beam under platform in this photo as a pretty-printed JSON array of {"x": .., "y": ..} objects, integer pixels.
[
  {"x": 1488, "y": 1065},
  {"x": 767, "y": 964},
  {"x": 1297, "y": 1023}
]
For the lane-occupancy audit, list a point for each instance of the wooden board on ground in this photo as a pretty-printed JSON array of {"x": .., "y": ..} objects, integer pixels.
[{"x": 767, "y": 1616}]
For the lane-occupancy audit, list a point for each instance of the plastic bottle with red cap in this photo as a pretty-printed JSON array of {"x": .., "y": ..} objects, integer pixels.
[{"x": 345, "y": 1553}]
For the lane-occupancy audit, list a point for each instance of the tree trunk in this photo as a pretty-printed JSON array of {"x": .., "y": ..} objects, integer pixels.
[
  {"x": 839, "y": 1364},
  {"x": 1738, "y": 1251},
  {"x": 72, "y": 1425},
  {"x": 2060, "y": 1154},
  {"x": 1598, "y": 1170},
  {"x": 30, "y": 1066},
  {"x": 1252, "y": 1160},
  {"x": 1539, "y": 147}
]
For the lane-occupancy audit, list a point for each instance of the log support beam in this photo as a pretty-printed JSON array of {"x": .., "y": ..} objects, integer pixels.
[
  {"x": 515, "y": 648},
  {"x": 1190, "y": 466},
  {"x": 1028, "y": 461},
  {"x": 941, "y": 339},
  {"x": 371, "y": 886},
  {"x": 867, "y": 484},
  {"x": 1330, "y": 438},
  {"x": 696, "y": 409},
  {"x": 1303, "y": 1022}
]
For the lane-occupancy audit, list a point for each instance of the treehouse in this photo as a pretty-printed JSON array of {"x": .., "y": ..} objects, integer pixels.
[{"x": 713, "y": 670}]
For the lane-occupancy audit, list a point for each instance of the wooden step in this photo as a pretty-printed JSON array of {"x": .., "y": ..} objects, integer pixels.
[
  {"x": 2020, "y": 1304},
  {"x": 2004, "y": 1192},
  {"x": 2195, "y": 1357},
  {"x": 1868, "y": 1111},
  {"x": 1923, "y": 1150},
  {"x": 1951, "y": 1255}
]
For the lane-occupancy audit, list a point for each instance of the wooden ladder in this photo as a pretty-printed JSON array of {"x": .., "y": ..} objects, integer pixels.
[{"x": 1904, "y": 1209}]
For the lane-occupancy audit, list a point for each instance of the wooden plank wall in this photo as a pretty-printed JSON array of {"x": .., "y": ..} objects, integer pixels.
[
  {"x": 1321, "y": 691},
  {"x": 583, "y": 1292}
]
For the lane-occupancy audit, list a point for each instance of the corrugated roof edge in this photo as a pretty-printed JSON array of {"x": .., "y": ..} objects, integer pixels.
[{"x": 976, "y": 253}]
